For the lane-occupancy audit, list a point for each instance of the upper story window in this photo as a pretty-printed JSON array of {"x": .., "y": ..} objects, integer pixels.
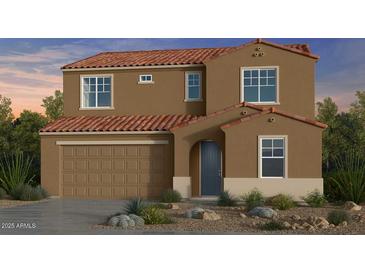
[
  {"x": 272, "y": 157},
  {"x": 193, "y": 88},
  {"x": 260, "y": 85},
  {"x": 145, "y": 79},
  {"x": 96, "y": 91}
]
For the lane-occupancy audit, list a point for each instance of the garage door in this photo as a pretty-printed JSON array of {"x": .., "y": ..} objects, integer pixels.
[{"x": 115, "y": 171}]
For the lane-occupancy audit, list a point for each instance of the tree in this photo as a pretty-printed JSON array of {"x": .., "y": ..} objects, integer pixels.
[
  {"x": 6, "y": 118},
  {"x": 26, "y": 132},
  {"x": 53, "y": 106},
  {"x": 358, "y": 107}
]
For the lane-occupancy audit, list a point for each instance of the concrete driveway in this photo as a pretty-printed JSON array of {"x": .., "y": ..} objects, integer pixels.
[{"x": 59, "y": 216}]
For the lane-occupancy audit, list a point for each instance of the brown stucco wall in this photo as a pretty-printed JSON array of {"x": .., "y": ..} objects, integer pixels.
[
  {"x": 296, "y": 78},
  {"x": 304, "y": 147},
  {"x": 50, "y": 154},
  {"x": 165, "y": 96},
  {"x": 208, "y": 129}
]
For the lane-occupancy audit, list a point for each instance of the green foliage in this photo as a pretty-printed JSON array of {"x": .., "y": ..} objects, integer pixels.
[
  {"x": 6, "y": 118},
  {"x": 272, "y": 225},
  {"x": 349, "y": 177},
  {"x": 171, "y": 196},
  {"x": 153, "y": 215},
  {"x": 135, "y": 206},
  {"x": 336, "y": 217},
  {"x": 283, "y": 202},
  {"x": 2, "y": 193},
  {"x": 15, "y": 170},
  {"x": 226, "y": 199},
  {"x": 253, "y": 199},
  {"x": 26, "y": 192},
  {"x": 315, "y": 199},
  {"x": 53, "y": 106}
]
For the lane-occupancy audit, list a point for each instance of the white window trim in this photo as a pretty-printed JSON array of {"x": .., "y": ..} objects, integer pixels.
[
  {"x": 242, "y": 88},
  {"x": 141, "y": 82},
  {"x": 187, "y": 99},
  {"x": 259, "y": 153},
  {"x": 82, "y": 107}
]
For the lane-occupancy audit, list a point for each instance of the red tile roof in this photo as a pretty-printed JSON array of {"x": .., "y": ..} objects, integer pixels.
[
  {"x": 216, "y": 113},
  {"x": 276, "y": 111},
  {"x": 195, "y": 56},
  {"x": 117, "y": 123}
]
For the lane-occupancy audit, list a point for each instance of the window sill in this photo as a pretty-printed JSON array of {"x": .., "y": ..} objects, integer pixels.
[
  {"x": 96, "y": 108},
  {"x": 146, "y": 83},
  {"x": 265, "y": 103},
  {"x": 192, "y": 101}
]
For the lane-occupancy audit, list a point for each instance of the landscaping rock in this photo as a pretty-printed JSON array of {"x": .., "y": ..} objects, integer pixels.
[
  {"x": 131, "y": 222},
  {"x": 173, "y": 206},
  {"x": 344, "y": 223},
  {"x": 114, "y": 221},
  {"x": 243, "y": 215},
  {"x": 263, "y": 212},
  {"x": 209, "y": 215},
  {"x": 295, "y": 217},
  {"x": 286, "y": 225},
  {"x": 138, "y": 221},
  {"x": 352, "y": 206},
  {"x": 194, "y": 213},
  {"x": 311, "y": 229}
]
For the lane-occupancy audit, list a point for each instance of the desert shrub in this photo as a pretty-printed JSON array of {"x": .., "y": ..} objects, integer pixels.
[
  {"x": 171, "y": 196},
  {"x": 26, "y": 192},
  {"x": 253, "y": 199},
  {"x": 282, "y": 202},
  {"x": 2, "y": 193},
  {"x": 226, "y": 199},
  {"x": 272, "y": 225},
  {"x": 15, "y": 169},
  {"x": 348, "y": 179},
  {"x": 135, "y": 206},
  {"x": 336, "y": 217},
  {"x": 153, "y": 215},
  {"x": 315, "y": 199}
]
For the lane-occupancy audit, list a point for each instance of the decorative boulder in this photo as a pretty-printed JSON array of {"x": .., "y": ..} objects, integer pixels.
[
  {"x": 114, "y": 221},
  {"x": 352, "y": 206},
  {"x": 209, "y": 215},
  {"x": 263, "y": 212},
  {"x": 194, "y": 213},
  {"x": 243, "y": 215},
  {"x": 138, "y": 221},
  {"x": 123, "y": 223}
]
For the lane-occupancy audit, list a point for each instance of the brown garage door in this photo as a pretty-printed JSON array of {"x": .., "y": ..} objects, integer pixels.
[{"x": 115, "y": 171}]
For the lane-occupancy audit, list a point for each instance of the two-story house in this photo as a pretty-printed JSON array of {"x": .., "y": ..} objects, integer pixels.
[{"x": 198, "y": 120}]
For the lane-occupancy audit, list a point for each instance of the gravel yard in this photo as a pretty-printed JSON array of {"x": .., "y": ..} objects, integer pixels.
[
  {"x": 232, "y": 222},
  {"x": 7, "y": 203}
]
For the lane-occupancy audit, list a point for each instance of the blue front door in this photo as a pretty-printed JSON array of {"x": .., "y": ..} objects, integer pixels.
[{"x": 211, "y": 173}]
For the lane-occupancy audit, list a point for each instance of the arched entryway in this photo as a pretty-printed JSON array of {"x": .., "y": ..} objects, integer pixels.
[{"x": 206, "y": 168}]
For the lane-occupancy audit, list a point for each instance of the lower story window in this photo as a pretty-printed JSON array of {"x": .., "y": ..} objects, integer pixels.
[{"x": 272, "y": 157}]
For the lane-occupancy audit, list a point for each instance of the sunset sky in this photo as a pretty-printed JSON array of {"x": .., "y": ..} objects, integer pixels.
[{"x": 30, "y": 68}]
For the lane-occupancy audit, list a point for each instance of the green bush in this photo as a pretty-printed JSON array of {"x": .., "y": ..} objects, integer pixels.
[
  {"x": 282, "y": 202},
  {"x": 135, "y": 206},
  {"x": 226, "y": 199},
  {"x": 336, "y": 217},
  {"x": 272, "y": 225},
  {"x": 2, "y": 193},
  {"x": 26, "y": 192},
  {"x": 315, "y": 199},
  {"x": 153, "y": 215},
  {"x": 349, "y": 177},
  {"x": 253, "y": 199},
  {"x": 15, "y": 170},
  {"x": 171, "y": 196}
]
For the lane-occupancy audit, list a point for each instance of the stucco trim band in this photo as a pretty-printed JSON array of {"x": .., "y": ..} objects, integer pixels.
[
  {"x": 297, "y": 187},
  {"x": 183, "y": 185},
  {"x": 127, "y": 142}
]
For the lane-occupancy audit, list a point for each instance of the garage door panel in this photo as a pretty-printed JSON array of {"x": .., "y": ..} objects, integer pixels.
[{"x": 115, "y": 171}]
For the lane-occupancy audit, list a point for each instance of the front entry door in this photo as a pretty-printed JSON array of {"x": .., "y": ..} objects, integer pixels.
[{"x": 211, "y": 173}]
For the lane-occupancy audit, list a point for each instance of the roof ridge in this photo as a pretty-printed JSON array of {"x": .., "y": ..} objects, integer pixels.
[{"x": 172, "y": 49}]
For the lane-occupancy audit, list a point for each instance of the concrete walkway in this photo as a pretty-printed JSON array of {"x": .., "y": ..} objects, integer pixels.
[{"x": 59, "y": 216}]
